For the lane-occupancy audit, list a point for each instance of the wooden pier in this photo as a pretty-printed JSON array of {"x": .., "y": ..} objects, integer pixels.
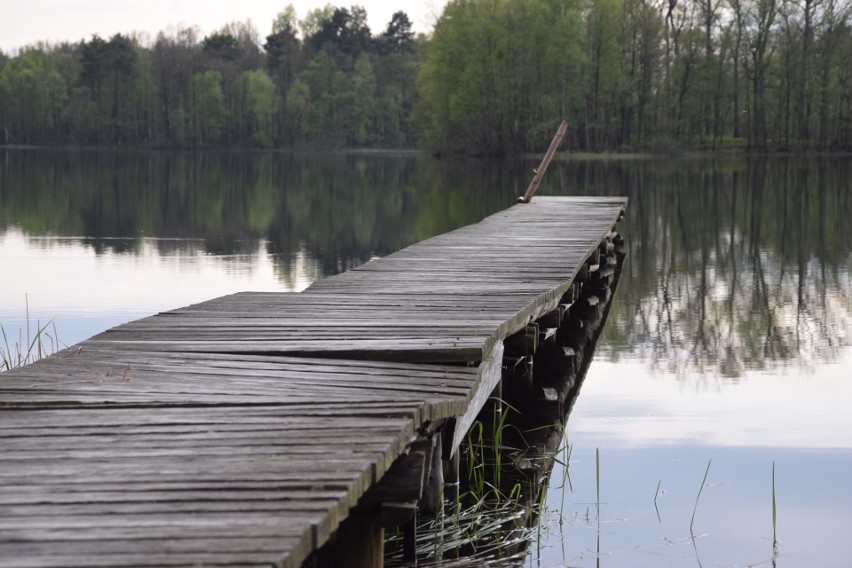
[{"x": 267, "y": 429}]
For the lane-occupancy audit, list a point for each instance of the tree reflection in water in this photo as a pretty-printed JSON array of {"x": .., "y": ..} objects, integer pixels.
[{"x": 735, "y": 266}]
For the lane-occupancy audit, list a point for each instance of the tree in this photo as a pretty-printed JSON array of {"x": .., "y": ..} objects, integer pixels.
[
  {"x": 208, "y": 107},
  {"x": 329, "y": 91},
  {"x": 285, "y": 20},
  {"x": 644, "y": 32},
  {"x": 222, "y": 45},
  {"x": 605, "y": 74},
  {"x": 315, "y": 19},
  {"x": 496, "y": 72},
  {"x": 363, "y": 103},
  {"x": 297, "y": 106},
  {"x": 248, "y": 41},
  {"x": 172, "y": 61},
  {"x": 834, "y": 46},
  {"x": 93, "y": 56},
  {"x": 398, "y": 36},
  {"x": 263, "y": 106},
  {"x": 346, "y": 33},
  {"x": 807, "y": 77},
  {"x": 121, "y": 66},
  {"x": 33, "y": 95},
  {"x": 738, "y": 22},
  {"x": 283, "y": 53},
  {"x": 108, "y": 71},
  {"x": 761, "y": 18}
]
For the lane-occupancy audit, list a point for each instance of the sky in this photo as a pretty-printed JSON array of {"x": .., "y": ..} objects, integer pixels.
[{"x": 23, "y": 23}]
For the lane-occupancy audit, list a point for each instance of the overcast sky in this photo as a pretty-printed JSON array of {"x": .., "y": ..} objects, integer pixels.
[{"x": 24, "y": 22}]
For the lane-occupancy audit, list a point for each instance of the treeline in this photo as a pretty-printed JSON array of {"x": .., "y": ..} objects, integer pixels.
[
  {"x": 495, "y": 77},
  {"x": 326, "y": 80},
  {"x": 764, "y": 74}
]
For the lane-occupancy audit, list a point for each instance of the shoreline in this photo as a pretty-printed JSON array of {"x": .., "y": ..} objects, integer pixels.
[{"x": 563, "y": 155}]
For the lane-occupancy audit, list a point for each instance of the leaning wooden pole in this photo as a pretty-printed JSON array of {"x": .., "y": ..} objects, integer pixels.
[{"x": 539, "y": 172}]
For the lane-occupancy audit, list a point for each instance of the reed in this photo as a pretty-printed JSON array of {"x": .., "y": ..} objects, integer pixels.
[
  {"x": 475, "y": 451},
  {"x": 483, "y": 531},
  {"x": 657, "y": 494},
  {"x": 21, "y": 352},
  {"x": 598, "y": 484},
  {"x": 774, "y": 516},
  {"x": 500, "y": 414},
  {"x": 697, "y": 497},
  {"x": 503, "y": 506},
  {"x": 35, "y": 347},
  {"x": 566, "y": 475}
]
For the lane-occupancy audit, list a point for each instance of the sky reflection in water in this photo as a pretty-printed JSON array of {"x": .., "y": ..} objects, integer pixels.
[
  {"x": 733, "y": 519},
  {"x": 83, "y": 292},
  {"x": 663, "y": 428}
]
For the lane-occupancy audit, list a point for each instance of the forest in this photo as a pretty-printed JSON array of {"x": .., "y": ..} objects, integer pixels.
[{"x": 493, "y": 77}]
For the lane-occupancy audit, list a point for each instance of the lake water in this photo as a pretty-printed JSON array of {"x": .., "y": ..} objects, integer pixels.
[{"x": 728, "y": 342}]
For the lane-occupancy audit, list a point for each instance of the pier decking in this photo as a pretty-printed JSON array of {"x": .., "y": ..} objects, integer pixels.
[{"x": 245, "y": 429}]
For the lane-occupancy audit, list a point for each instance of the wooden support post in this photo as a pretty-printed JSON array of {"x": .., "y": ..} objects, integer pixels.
[
  {"x": 357, "y": 543},
  {"x": 405, "y": 478},
  {"x": 452, "y": 479},
  {"x": 618, "y": 241},
  {"x": 452, "y": 489},
  {"x": 553, "y": 318},
  {"x": 594, "y": 259},
  {"x": 409, "y": 541},
  {"x": 525, "y": 342},
  {"x": 570, "y": 295},
  {"x": 433, "y": 491}
]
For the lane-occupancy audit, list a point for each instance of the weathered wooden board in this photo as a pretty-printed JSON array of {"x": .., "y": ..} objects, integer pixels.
[{"x": 242, "y": 430}]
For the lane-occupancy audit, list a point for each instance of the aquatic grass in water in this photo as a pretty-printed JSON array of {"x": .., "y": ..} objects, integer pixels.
[
  {"x": 498, "y": 530},
  {"x": 23, "y": 353},
  {"x": 35, "y": 347},
  {"x": 500, "y": 414},
  {"x": 697, "y": 497},
  {"x": 486, "y": 456},
  {"x": 598, "y": 484},
  {"x": 656, "y": 508},
  {"x": 774, "y": 520},
  {"x": 487, "y": 532},
  {"x": 503, "y": 508},
  {"x": 566, "y": 475}
]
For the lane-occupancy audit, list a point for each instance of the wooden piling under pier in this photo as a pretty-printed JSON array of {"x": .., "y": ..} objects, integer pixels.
[{"x": 245, "y": 430}]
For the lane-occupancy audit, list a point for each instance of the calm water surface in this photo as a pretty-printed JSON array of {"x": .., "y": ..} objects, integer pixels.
[{"x": 728, "y": 342}]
